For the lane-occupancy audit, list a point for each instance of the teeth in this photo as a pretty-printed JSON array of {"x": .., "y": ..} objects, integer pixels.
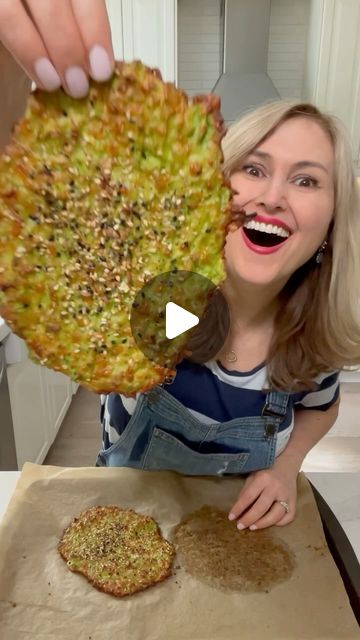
[{"x": 266, "y": 228}]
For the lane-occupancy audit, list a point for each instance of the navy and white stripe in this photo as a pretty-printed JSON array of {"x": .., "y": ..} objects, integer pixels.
[{"x": 213, "y": 394}]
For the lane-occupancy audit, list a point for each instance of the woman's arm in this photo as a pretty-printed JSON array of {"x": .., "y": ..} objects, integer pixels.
[
  {"x": 262, "y": 488},
  {"x": 309, "y": 427}
]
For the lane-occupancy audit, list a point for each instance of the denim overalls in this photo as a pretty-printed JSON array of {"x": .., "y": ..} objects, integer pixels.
[{"x": 163, "y": 434}]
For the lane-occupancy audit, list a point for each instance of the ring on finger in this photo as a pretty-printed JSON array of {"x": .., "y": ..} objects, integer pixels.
[{"x": 284, "y": 504}]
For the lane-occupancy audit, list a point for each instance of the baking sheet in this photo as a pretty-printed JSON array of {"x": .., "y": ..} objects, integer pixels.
[{"x": 40, "y": 598}]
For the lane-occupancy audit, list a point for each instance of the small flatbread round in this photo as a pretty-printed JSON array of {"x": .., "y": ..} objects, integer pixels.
[
  {"x": 213, "y": 550},
  {"x": 119, "y": 551},
  {"x": 98, "y": 196}
]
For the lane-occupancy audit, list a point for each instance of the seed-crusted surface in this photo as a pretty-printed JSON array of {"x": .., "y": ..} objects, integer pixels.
[
  {"x": 97, "y": 196},
  {"x": 213, "y": 550},
  {"x": 117, "y": 550}
]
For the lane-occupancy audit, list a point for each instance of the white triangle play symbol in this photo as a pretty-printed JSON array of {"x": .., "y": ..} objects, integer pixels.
[{"x": 178, "y": 320}]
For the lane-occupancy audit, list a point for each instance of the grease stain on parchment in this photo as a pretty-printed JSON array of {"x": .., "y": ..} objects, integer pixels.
[{"x": 214, "y": 551}]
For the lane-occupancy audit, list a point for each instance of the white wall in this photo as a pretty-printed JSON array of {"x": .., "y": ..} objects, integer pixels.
[
  {"x": 199, "y": 42},
  {"x": 289, "y": 24},
  {"x": 313, "y": 50},
  {"x": 247, "y": 35}
]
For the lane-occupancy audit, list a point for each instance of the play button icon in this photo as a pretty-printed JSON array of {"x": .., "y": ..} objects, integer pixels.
[
  {"x": 179, "y": 314},
  {"x": 178, "y": 320}
]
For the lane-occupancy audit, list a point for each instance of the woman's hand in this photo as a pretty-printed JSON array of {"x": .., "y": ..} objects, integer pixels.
[
  {"x": 256, "y": 506},
  {"x": 59, "y": 42}
]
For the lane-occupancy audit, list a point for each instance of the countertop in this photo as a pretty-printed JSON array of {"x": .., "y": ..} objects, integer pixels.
[{"x": 341, "y": 491}]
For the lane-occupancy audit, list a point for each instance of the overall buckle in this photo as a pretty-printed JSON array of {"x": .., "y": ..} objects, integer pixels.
[{"x": 269, "y": 412}]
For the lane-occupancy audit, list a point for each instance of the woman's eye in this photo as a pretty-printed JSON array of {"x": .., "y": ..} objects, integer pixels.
[
  {"x": 305, "y": 181},
  {"x": 251, "y": 170}
]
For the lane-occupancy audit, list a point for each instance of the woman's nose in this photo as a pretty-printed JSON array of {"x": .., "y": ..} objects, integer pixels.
[{"x": 273, "y": 195}]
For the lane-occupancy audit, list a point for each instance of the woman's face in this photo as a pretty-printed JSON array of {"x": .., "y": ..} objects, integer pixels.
[{"x": 288, "y": 180}]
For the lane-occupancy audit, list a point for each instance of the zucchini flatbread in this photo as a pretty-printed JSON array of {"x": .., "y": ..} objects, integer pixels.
[
  {"x": 118, "y": 550},
  {"x": 97, "y": 197}
]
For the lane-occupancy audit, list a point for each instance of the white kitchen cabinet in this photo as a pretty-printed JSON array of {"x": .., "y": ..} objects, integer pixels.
[
  {"x": 39, "y": 400},
  {"x": 74, "y": 386},
  {"x": 29, "y": 411},
  {"x": 145, "y": 30},
  {"x": 334, "y": 63},
  {"x": 58, "y": 392}
]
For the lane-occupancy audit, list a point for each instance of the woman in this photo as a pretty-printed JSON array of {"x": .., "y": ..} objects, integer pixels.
[{"x": 272, "y": 392}]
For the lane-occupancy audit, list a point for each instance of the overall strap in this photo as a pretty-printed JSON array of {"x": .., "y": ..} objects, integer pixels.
[{"x": 276, "y": 403}]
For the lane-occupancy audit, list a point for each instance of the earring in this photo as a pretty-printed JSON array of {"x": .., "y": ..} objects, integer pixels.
[{"x": 320, "y": 253}]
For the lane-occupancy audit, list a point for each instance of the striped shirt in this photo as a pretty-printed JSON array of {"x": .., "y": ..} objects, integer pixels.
[{"x": 212, "y": 394}]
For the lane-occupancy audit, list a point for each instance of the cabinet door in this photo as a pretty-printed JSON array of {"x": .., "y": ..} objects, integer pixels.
[
  {"x": 149, "y": 30},
  {"x": 58, "y": 390},
  {"x": 74, "y": 387},
  {"x": 338, "y": 86},
  {"x": 114, "y": 10},
  {"x": 29, "y": 412}
]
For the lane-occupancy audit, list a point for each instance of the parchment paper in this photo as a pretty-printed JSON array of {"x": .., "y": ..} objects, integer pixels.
[{"x": 41, "y": 599}]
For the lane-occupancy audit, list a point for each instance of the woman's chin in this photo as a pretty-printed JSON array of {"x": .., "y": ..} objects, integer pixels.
[{"x": 255, "y": 274}]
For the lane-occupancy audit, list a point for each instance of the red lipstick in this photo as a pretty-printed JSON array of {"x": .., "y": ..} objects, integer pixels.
[{"x": 257, "y": 248}]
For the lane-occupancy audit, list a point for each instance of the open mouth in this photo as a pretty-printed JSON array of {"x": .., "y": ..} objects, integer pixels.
[{"x": 265, "y": 235}]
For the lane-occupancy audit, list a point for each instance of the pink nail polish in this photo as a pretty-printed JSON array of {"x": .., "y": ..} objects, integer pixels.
[
  {"x": 253, "y": 527},
  {"x": 47, "y": 75},
  {"x": 231, "y": 516},
  {"x": 240, "y": 526},
  {"x": 77, "y": 82},
  {"x": 101, "y": 67}
]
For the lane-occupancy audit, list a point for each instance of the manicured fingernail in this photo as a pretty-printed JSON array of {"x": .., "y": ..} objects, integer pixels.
[
  {"x": 253, "y": 527},
  {"x": 77, "y": 82},
  {"x": 240, "y": 526},
  {"x": 47, "y": 74},
  {"x": 231, "y": 516},
  {"x": 101, "y": 67}
]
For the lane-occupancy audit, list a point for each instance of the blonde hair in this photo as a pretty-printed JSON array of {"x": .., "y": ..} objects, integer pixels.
[{"x": 317, "y": 327}]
